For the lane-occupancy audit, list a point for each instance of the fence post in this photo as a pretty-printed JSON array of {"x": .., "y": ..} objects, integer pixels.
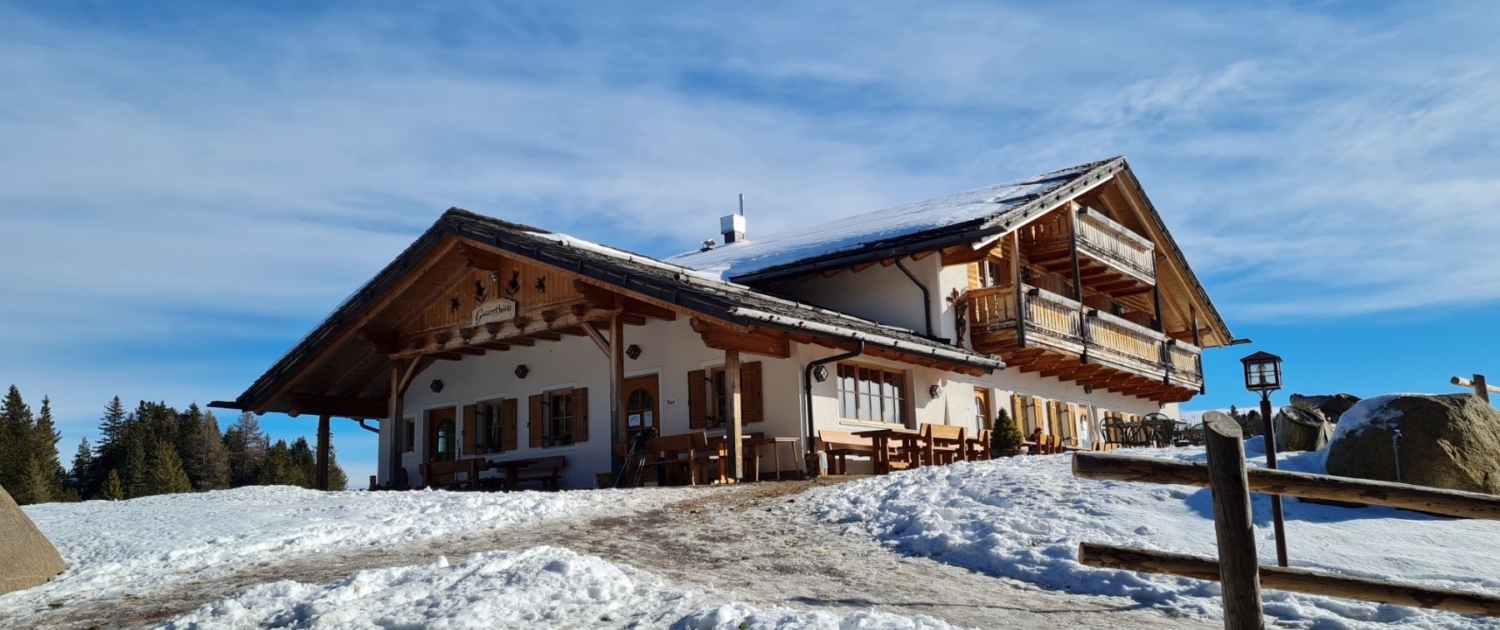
[{"x": 1239, "y": 568}]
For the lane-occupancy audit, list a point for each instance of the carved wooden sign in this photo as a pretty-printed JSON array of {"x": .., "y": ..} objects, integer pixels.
[{"x": 496, "y": 310}]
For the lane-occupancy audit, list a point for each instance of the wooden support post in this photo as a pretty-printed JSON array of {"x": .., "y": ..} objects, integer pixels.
[
  {"x": 618, "y": 429},
  {"x": 1073, "y": 252},
  {"x": 1480, "y": 385},
  {"x": 1015, "y": 280},
  {"x": 736, "y": 415},
  {"x": 1293, "y": 580},
  {"x": 324, "y": 438},
  {"x": 398, "y": 428},
  {"x": 1239, "y": 571}
]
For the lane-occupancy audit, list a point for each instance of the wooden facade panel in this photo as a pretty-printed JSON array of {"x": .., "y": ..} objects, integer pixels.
[{"x": 529, "y": 286}]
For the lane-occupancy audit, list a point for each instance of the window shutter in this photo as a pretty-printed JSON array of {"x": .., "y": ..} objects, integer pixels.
[
  {"x": 1035, "y": 418},
  {"x": 974, "y": 279},
  {"x": 750, "y": 393},
  {"x": 581, "y": 414},
  {"x": 1072, "y": 420},
  {"x": 535, "y": 419},
  {"x": 508, "y": 424},
  {"x": 1054, "y": 421},
  {"x": 1016, "y": 411},
  {"x": 697, "y": 392},
  {"x": 471, "y": 429}
]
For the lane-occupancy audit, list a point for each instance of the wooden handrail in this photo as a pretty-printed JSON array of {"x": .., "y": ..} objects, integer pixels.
[
  {"x": 1297, "y": 484},
  {"x": 1291, "y": 579}
]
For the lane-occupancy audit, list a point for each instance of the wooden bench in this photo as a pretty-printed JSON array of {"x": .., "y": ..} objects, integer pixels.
[
  {"x": 943, "y": 444},
  {"x": 978, "y": 448},
  {"x": 677, "y": 457},
  {"x": 839, "y": 445},
  {"x": 547, "y": 471},
  {"x": 444, "y": 475}
]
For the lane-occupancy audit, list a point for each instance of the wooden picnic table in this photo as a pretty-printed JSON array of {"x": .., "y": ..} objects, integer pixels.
[{"x": 908, "y": 439}]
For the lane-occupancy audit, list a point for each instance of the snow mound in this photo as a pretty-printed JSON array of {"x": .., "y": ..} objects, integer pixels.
[
  {"x": 133, "y": 546},
  {"x": 540, "y": 587},
  {"x": 1023, "y": 518}
]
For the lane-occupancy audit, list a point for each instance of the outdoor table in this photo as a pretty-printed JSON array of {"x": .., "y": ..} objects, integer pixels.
[
  {"x": 775, "y": 443},
  {"x": 512, "y": 468},
  {"x": 882, "y": 438}
]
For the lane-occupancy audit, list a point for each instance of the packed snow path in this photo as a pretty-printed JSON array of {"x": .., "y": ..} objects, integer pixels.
[{"x": 757, "y": 543}]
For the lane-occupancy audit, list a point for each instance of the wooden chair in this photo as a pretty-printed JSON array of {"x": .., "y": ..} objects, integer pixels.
[
  {"x": 713, "y": 459},
  {"x": 444, "y": 475},
  {"x": 943, "y": 444},
  {"x": 839, "y": 445},
  {"x": 977, "y": 448}
]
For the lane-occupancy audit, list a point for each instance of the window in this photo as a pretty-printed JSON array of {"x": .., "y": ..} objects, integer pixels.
[
  {"x": 411, "y": 435},
  {"x": 559, "y": 428},
  {"x": 709, "y": 400},
  {"x": 494, "y": 426},
  {"x": 871, "y": 394},
  {"x": 442, "y": 445},
  {"x": 558, "y": 417}
]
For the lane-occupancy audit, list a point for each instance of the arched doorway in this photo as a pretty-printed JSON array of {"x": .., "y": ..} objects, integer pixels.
[
  {"x": 441, "y": 434},
  {"x": 642, "y": 404}
]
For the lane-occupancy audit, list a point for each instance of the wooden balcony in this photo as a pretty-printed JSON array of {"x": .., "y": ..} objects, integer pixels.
[
  {"x": 1061, "y": 338},
  {"x": 1110, "y": 256}
]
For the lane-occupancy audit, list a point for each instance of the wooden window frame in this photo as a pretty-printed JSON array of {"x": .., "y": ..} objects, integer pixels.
[
  {"x": 550, "y": 439},
  {"x": 491, "y": 430},
  {"x": 897, "y": 403}
]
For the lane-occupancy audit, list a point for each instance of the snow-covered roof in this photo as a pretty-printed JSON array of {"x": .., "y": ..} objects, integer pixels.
[{"x": 879, "y": 228}]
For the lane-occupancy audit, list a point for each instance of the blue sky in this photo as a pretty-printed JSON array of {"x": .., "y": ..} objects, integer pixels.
[{"x": 187, "y": 189}]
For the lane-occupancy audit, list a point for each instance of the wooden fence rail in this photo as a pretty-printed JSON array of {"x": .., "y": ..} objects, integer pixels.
[
  {"x": 1292, "y": 579},
  {"x": 1453, "y": 503},
  {"x": 1237, "y": 569}
]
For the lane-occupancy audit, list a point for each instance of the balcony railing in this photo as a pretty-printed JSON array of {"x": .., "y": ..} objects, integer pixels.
[
  {"x": 1111, "y": 242},
  {"x": 1056, "y": 322}
]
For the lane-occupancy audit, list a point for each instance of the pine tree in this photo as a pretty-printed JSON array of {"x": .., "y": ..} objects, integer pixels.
[
  {"x": 83, "y": 468},
  {"x": 337, "y": 480},
  {"x": 135, "y": 469},
  {"x": 278, "y": 468},
  {"x": 15, "y": 441},
  {"x": 304, "y": 464},
  {"x": 245, "y": 445},
  {"x": 111, "y": 451},
  {"x": 166, "y": 475},
  {"x": 36, "y": 486},
  {"x": 44, "y": 438},
  {"x": 202, "y": 450},
  {"x": 113, "y": 489}
]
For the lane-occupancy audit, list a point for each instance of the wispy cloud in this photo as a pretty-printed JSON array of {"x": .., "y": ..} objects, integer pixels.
[{"x": 227, "y": 175}]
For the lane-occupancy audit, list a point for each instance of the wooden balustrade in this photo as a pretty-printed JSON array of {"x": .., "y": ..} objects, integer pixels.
[
  {"x": 1103, "y": 237},
  {"x": 993, "y": 310},
  {"x": 991, "y": 307},
  {"x": 1053, "y": 313},
  {"x": 1125, "y": 339}
]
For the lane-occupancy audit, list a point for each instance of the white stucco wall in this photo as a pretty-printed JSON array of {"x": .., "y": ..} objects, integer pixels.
[
  {"x": 668, "y": 349},
  {"x": 878, "y": 293}
]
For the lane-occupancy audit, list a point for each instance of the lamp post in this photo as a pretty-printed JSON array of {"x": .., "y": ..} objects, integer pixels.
[{"x": 1263, "y": 374}]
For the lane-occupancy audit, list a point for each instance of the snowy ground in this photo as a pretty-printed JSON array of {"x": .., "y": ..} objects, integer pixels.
[
  {"x": 1023, "y": 518},
  {"x": 987, "y": 544},
  {"x": 532, "y": 588}
]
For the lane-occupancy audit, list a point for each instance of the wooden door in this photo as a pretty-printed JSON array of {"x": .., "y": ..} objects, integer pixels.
[
  {"x": 984, "y": 416},
  {"x": 642, "y": 404},
  {"x": 442, "y": 434}
]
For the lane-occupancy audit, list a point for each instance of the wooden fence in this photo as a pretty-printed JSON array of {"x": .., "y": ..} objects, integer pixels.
[{"x": 1237, "y": 567}]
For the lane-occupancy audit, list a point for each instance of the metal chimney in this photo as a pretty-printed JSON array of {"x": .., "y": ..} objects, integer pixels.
[{"x": 733, "y": 226}]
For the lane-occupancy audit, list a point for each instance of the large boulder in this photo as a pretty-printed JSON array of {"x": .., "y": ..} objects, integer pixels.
[
  {"x": 1332, "y": 406},
  {"x": 27, "y": 558},
  {"x": 1449, "y": 441},
  {"x": 1299, "y": 429}
]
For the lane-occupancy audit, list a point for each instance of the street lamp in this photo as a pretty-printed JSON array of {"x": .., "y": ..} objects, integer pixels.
[{"x": 1263, "y": 374}]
